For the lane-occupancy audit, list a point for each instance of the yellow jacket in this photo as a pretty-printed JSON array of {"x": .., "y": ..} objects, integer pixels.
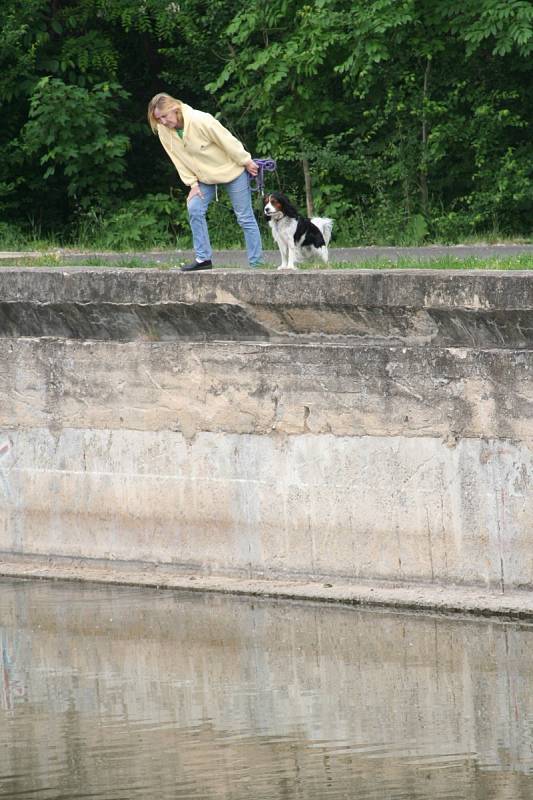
[{"x": 208, "y": 152}]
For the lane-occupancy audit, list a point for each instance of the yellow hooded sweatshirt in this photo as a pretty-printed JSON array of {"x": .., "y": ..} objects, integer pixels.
[{"x": 208, "y": 152}]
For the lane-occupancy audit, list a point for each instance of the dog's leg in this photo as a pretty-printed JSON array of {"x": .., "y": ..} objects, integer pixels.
[
  {"x": 324, "y": 255},
  {"x": 283, "y": 251},
  {"x": 291, "y": 258}
]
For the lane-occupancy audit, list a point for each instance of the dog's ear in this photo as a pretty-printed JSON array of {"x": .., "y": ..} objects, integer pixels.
[
  {"x": 266, "y": 198},
  {"x": 286, "y": 206}
]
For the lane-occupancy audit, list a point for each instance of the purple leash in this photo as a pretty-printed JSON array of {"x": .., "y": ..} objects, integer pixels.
[{"x": 265, "y": 165}]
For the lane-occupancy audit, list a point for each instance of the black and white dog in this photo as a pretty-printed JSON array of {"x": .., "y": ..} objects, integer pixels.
[{"x": 297, "y": 237}]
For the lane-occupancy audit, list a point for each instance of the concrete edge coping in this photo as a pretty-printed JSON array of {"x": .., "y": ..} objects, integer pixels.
[{"x": 466, "y": 600}]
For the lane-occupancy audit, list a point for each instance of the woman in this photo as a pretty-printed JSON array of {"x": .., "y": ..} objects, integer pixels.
[{"x": 206, "y": 155}]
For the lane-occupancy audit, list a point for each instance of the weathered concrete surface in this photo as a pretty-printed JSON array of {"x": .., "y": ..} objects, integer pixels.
[
  {"x": 491, "y": 309},
  {"x": 266, "y": 389},
  {"x": 465, "y": 600},
  {"x": 350, "y": 426},
  {"x": 393, "y": 508}
]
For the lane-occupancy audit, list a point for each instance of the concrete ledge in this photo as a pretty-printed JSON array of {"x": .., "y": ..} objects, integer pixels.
[
  {"x": 414, "y": 597},
  {"x": 448, "y": 308},
  {"x": 473, "y": 289}
]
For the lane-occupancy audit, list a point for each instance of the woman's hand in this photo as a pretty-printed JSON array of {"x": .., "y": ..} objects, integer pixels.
[
  {"x": 194, "y": 192},
  {"x": 251, "y": 167}
]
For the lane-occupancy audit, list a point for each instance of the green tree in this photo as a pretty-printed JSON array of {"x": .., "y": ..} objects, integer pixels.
[
  {"x": 412, "y": 117},
  {"x": 68, "y": 128}
]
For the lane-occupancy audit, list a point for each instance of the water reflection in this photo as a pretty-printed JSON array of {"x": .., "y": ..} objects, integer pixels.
[{"x": 122, "y": 693}]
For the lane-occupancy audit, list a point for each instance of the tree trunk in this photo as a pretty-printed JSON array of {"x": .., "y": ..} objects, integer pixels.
[
  {"x": 308, "y": 188},
  {"x": 424, "y": 192}
]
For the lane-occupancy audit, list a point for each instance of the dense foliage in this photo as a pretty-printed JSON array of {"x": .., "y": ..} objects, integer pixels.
[{"x": 412, "y": 117}]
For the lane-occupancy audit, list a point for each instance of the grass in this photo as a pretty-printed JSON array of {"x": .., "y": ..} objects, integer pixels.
[
  {"x": 518, "y": 262},
  {"x": 522, "y": 261},
  {"x": 53, "y": 260}
]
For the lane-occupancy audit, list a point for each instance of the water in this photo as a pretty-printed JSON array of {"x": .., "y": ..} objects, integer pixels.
[{"x": 120, "y": 693}]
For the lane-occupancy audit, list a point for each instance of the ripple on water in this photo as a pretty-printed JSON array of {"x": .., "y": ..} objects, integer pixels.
[{"x": 121, "y": 693}]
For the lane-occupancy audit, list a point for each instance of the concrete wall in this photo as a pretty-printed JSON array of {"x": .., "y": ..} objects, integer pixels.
[{"x": 363, "y": 425}]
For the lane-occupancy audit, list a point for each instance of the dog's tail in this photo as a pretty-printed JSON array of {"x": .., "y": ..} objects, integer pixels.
[{"x": 325, "y": 226}]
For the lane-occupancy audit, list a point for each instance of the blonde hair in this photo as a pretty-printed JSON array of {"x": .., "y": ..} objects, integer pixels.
[{"x": 163, "y": 102}]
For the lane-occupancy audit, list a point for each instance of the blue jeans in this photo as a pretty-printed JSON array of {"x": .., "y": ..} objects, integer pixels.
[{"x": 241, "y": 199}]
